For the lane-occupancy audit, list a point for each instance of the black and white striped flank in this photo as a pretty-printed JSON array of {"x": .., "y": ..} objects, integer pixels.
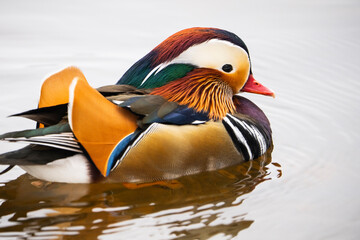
[{"x": 248, "y": 138}]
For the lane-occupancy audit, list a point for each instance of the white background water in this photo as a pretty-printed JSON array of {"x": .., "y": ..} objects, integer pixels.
[{"x": 308, "y": 52}]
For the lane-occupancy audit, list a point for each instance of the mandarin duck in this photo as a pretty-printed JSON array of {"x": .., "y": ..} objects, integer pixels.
[{"x": 175, "y": 112}]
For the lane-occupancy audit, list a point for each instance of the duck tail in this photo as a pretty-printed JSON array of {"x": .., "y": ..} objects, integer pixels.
[{"x": 57, "y": 136}]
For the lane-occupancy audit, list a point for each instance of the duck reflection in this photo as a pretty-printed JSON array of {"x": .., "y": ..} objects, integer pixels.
[{"x": 186, "y": 208}]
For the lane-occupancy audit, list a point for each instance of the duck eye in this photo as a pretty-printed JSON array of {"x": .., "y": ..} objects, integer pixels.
[{"x": 227, "y": 68}]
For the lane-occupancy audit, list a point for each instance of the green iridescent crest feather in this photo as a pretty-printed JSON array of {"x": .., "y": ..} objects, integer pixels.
[
  {"x": 137, "y": 75},
  {"x": 166, "y": 75}
]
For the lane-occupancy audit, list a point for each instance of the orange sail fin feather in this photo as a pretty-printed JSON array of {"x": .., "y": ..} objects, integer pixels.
[
  {"x": 55, "y": 89},
  {"x": 97, "y": 124},
  {"x": 202, "y": 90}
]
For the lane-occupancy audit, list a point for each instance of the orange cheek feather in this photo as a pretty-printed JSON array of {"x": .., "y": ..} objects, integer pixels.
[{"x": 237, "y": 79}]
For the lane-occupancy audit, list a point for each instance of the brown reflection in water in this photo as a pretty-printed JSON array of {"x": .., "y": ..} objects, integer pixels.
[{"x": 70, "y": 211}]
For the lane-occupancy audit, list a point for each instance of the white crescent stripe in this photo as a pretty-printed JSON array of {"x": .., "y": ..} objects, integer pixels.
[{"x": 239, "y": 136}]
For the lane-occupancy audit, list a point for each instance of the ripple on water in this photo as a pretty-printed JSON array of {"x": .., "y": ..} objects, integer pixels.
[{"x": 201, "y": 205}]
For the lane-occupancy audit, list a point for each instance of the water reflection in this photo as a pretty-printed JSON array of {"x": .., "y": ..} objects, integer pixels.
[{"x": 198, "y": 206}]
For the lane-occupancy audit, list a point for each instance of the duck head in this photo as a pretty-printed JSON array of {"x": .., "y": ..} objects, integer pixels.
[{"x": 202, "y": 68}]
